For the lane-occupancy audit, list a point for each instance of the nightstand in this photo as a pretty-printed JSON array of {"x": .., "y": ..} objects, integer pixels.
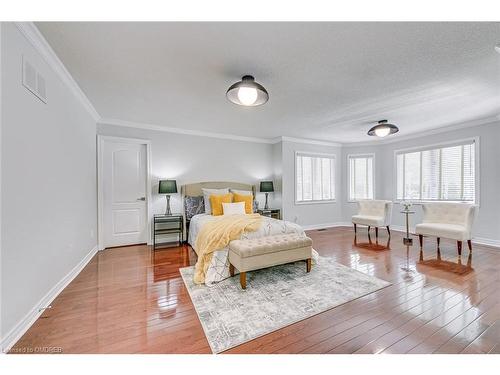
[
  {"x": 167, "y": 225},
  {"x": 274, "y": 213}
]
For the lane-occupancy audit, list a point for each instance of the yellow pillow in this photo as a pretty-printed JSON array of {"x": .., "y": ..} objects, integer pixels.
[
  {"x": 248, "y": 199},
  {"x": 216, "y": 202}
]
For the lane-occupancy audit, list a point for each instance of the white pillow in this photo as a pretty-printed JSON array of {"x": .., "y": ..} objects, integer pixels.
[
  {"x": 206, "y": 197},
  {"x": 241, "y": 192},
  {"x": 237, "y": 208}
]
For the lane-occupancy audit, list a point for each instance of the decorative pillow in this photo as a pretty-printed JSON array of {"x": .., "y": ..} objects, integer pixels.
[
  {"x": 193, "y": 206},
  {"x": 206, "y": 197},
  {"x": 241, "y": 192},
  {"x": 216, "y": 202},
  {"x": 247, "y": 199},
  {"x": 233, "y": 208}
]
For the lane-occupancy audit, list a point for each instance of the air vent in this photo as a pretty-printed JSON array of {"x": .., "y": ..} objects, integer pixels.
[{"x": 34, "y": 81}]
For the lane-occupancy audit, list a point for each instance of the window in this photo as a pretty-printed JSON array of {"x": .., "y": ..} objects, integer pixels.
[
  {"x": 314, "y": 177},
  {"x": 360, "y": 177},
  {"x": 446, "y": 173}
]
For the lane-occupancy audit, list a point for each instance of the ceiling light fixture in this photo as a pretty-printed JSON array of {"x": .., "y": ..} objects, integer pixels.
[
  {"x": 247, "y": 92},
  {"x": 383, "y": 129}
]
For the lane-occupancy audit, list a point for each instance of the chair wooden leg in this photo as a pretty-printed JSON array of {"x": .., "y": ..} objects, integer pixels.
[
  {"x": 376, "y": 232},
  {"x": 231, "y": 269},
  {"x": 438, "y": 248},
  {"x": 369, "y": 230},
  {"x": 469, "y": 244},
  {"x": 459, "y": 248},
  {"x": 243, "y": 280},
  {"x": 308, "y": 264},
  {"x": 355, "y": 229},
  {"x": 421, "y": 240},
  {"x": 388, "y": 231}
]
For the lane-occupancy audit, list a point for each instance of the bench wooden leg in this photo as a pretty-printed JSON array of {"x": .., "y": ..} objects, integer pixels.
[
  {"x": 308, "y": 264},
  {"x": 388, "y": 231},
  {"x": 459, "y": 248},
  {"x": 355, "y": 228},
  {"x": 469, "y": 243},
  {"x": 376, "y": 232},
  {"x": 243, "y": 280},
  {"x": 421, "y": 240},
  {"x": 231, "y": 269}
]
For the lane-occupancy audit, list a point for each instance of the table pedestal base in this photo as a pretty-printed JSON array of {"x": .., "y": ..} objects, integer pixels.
[{"x": 408, "y": 241}]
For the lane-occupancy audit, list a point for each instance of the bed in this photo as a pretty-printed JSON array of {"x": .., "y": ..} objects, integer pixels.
[{"x": 219, "y": 266}]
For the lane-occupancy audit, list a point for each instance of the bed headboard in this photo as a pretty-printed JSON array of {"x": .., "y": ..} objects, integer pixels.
[{"x": 194, "y": 190}]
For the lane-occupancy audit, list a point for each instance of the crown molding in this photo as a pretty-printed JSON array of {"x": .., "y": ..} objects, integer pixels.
[
  {"x": 468, "y": 124},
  {"x": 310, "y": 141},
  {"x": 35, "y": 37},
  {"x": 200, "y": 133},
  {"x": 169, "y": 129}
]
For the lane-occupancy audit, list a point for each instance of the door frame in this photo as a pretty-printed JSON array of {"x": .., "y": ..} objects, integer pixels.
[{"x": 101, "y": 139}]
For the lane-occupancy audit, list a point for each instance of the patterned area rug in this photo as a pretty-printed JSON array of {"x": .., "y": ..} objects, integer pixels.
[{"x": 275, "y": 297}]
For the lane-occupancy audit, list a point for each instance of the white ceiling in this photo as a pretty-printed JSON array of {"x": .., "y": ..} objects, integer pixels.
[{"x": 326, "y": 81}]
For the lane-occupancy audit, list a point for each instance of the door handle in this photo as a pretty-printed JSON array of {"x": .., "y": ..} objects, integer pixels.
[{"x": 141, "y": 199}]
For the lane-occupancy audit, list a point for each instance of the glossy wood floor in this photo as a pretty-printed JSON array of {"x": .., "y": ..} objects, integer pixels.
[{"x": 129, "y": 300}]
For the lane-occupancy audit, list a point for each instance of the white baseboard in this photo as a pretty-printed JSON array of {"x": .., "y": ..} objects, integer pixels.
[
  {"x": 486, "y": 241},
  {"x": 475, "y": 240},
  {"x": 326, "y": 225},
  {"x": 25, "y": 323}
]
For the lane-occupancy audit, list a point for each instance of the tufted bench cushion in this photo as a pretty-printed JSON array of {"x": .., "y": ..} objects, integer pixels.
[
  {"x": 270, "y": 244},
  {"x": 253, "y": 254}
]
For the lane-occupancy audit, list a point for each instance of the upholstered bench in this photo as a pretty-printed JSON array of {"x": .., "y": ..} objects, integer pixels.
[{"x": 258, "y": 253}]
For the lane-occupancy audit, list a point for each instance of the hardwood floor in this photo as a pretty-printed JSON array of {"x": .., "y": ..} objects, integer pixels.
[{"x": 129, "y": 300}]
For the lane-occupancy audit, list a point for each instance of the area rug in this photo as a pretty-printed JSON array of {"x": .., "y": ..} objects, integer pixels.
[{"x": 275, "y": 297}]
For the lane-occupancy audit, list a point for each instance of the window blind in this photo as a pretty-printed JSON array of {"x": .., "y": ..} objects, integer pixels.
[
  {"x": 438, "y": 174},
  {"x": 314, "y": 177},
  {"x": 360, "y": 177}
]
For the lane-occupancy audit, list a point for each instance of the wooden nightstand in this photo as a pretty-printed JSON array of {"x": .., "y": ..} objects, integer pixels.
[
  {"x": 274, "y": 213},
  {"x": 167, "y": 224}
]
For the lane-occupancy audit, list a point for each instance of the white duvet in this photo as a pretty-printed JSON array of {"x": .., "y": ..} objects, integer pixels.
[{"x": 219, "y": 266}]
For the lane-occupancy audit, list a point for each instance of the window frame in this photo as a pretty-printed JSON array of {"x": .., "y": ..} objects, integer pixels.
[
  {"x": 348, "y": 167},
  {"x": 315, "y": 154},
  {"x": 456, "y": 142}
]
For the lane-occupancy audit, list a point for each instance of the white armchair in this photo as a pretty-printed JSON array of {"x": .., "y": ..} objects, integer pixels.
[
  {"x": 373, "y": 213},
  {"x": 447, "y": 220}
]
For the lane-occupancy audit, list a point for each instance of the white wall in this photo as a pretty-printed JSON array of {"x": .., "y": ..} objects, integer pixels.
[
  {"x": 487, "y": 224},
  {"x": 48, "y": 174},
  {"x": 315, "y": 214},
  {"x": 275, "y": 199},
  {"x": 189, "y": 158}
]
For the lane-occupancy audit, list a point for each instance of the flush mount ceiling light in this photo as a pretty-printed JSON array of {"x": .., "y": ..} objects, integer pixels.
[
  {"x": 247, "y": 92},
  {"x": 383, "y": 129}
]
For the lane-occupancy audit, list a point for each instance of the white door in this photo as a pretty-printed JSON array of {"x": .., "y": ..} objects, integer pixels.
[{"x": 124, "y": 193}]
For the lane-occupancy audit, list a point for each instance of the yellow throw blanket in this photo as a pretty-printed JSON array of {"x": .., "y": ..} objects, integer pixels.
[{"x": 217, "y": 234}]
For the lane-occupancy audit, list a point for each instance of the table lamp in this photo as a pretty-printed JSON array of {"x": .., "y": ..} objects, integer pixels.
[
  {"x": 266, "y": 187},
  {"x": 167, "y": 187}
]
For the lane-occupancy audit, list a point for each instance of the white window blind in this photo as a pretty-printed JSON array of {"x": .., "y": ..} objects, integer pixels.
[
  {"x": 438, "y": 174},
  {"x": 314, "y": 177},
  {"x": 360, "y": 177}
]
